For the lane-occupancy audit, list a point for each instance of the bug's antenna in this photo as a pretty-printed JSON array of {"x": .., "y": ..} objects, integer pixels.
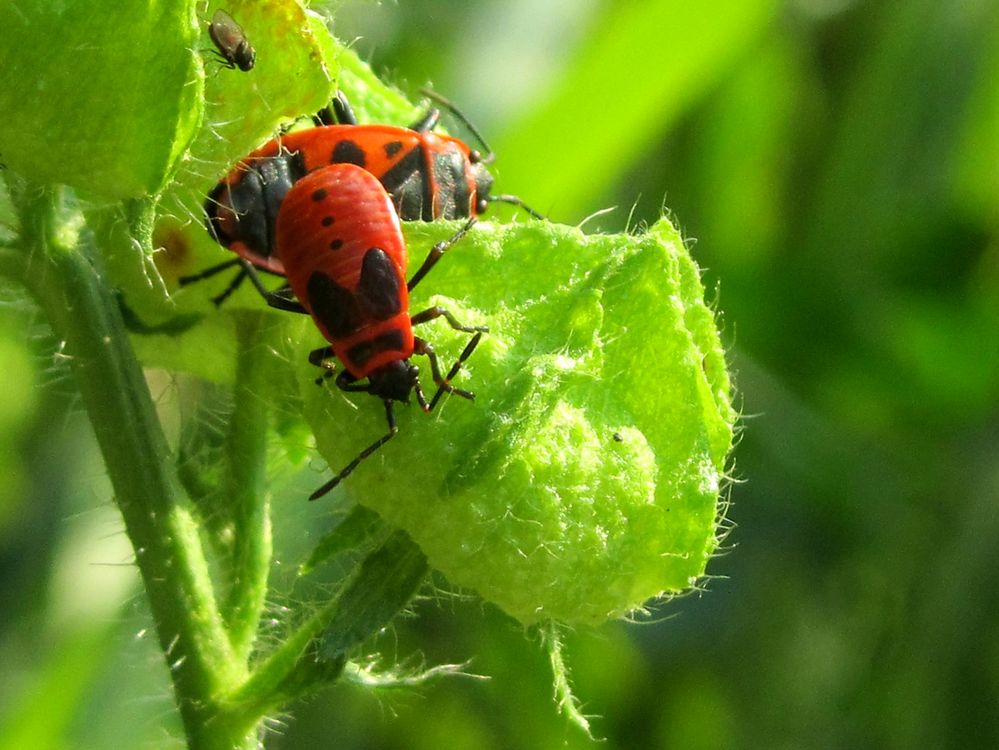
[
  {"x": 489, "y": 156},
  {"x": 515, "y": 201},
  {"x": 450, "y": 107}
]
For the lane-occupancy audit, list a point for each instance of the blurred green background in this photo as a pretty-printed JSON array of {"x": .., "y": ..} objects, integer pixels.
[{"x": 835, "y": 164}]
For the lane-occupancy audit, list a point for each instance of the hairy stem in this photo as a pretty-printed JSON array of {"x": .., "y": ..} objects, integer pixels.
[
  {"x": 68, "y": 284},
  {"x": 245, "y": 490},
  {"x": 314, "y": 654}
]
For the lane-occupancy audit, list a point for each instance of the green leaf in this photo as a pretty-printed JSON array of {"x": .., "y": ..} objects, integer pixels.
[
  {"x": 585, "y": 477},
  {"x": 976, "y": 178},
  {"x": 101, "y": 95},
  {"x": 355, "y": 529},
  {"x": 294, "y": 75},
  {"x": 385, "y": 583}
]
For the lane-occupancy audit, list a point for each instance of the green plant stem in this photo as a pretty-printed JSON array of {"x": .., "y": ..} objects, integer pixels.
[
  {"x": 314, "y": 655},
  {"x": 295, "y": 669},
  {"x": 265, "y": 690},
  {"x": 82, "y": 311},
  {"x": 245, "y": 491},
  {"x": 566, "y": 701}
]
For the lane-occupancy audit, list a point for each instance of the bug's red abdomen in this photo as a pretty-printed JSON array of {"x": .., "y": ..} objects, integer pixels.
[{"x": 339, "y": 240}]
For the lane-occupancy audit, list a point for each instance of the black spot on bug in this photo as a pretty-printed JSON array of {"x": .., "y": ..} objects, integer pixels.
[
  {"x": 390, "y": 341},
  {"x": 392, "y": 148},
  {"x": 327, "y": 221},
  {"x": 320, "y": 194},
  {"x": 617, "y": 437},
  {"x": 336, "y": 244},
  {"x": 348, "y": 152},
  {"x": 409, "y": 185},
  {"x": 333, "y": 305},
  {"x": 378, "y": 289}
]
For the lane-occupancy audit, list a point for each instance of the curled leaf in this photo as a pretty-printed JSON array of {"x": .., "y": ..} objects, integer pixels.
[{"x": 585, "y": 478}]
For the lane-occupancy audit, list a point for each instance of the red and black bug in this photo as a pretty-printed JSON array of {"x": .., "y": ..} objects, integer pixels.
[
  {"x": 341, "y": 245},
  {"x": 233, "y": 48},
  {"x": 428, "y": 176}
]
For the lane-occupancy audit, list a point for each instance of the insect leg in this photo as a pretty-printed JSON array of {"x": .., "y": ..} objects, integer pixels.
[
  {"x": 323, "y": 358},
  {"x": 444, "y": 381},
  {"x": 428, "y": 122},
  {"x": 337, "y": 112},
  {"x": 247, "y": 271},
  {"x": 209, "y": 272},
  {"x": 432, "y": 313},
  {"x": 436, "y": 252},
  {"x": 280, "y": 299},
  {"x": 346, "y": 470}
]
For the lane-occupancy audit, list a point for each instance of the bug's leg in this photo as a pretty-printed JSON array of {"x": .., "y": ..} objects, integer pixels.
[
  {"x": 432, "y": 313},
  {"x": 420, "y": 398},
  {"x": 346, "y": 470},
  {"x": 436, "y": 252},
  {"x": 280, "y": 299},
  {"x": 337, "y": 112},
  {"x": 444, "y": 381},
  {"x": 253, "y": 274},
  {"x": 321, "y": 356},
  {"x": 347, "y": 382},
  {"x": 223, "y": 61},
  {"x": 428, "y": 122},
  {"x": 209, "y": 272},
  {"x": 324, "y": 359},
  {"x": 246, "y": 271},
  {"x": 236, "y": 282}
]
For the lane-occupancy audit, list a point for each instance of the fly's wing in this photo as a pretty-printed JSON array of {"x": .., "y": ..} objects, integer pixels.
[
  {"x": 231, "y": 41},
  {"x": 225, "y": 33}
]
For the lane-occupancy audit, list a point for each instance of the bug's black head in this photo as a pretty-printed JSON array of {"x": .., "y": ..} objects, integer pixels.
[
  {"x": 483, "y": 181},
  {"x": 245, "y": 56},
  {"x": 484, "y": 184},
  {"x": 394, "y": 381}
]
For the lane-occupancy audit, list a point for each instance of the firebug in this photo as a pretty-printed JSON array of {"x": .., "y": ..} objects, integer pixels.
[
  {"x": 428, "y": 176},
  {"x": 340, "y": 243}
]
